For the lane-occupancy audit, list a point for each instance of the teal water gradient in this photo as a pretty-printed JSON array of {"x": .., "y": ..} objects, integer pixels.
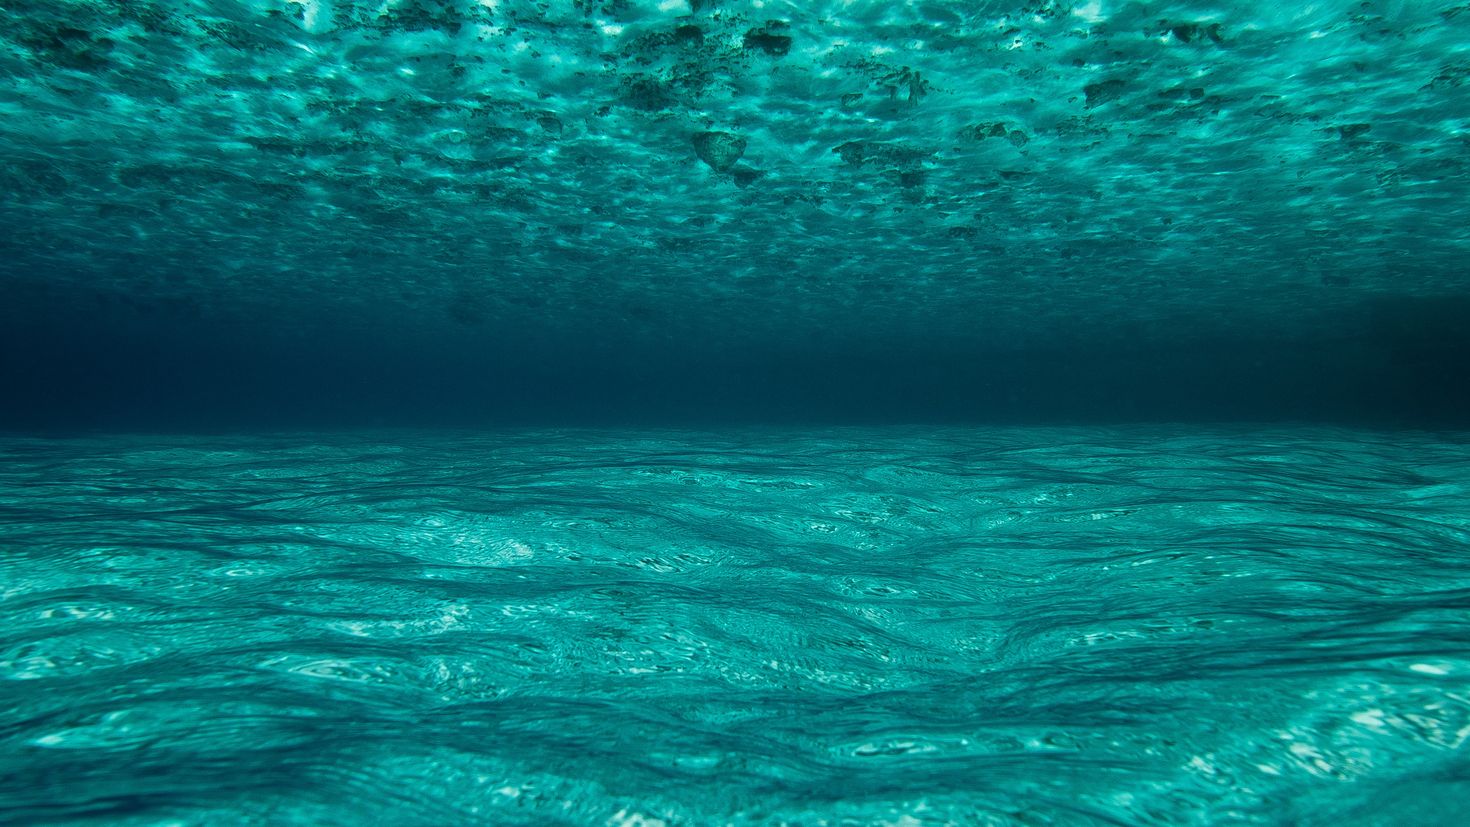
[{"x": 1024, "y": 626}]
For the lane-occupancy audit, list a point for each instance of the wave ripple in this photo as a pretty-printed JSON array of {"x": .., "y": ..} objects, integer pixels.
[{"x": 861, "y": 626}]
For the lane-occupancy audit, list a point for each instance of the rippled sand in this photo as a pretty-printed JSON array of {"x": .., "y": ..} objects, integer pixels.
[{"x": 908, "y": 627}]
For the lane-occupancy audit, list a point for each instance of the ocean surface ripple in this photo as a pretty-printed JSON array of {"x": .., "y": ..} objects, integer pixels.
[{"x": 901, "y": 626}]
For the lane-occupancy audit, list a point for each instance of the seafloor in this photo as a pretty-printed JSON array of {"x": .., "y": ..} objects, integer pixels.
[{"x": 986, "y": 626}]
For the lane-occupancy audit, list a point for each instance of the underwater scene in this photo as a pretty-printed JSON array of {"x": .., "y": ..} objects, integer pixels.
[{"x": 666, "y": 413}]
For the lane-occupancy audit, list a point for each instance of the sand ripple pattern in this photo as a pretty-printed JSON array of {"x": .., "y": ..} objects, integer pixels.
[{"x": 1028, "y": 626}]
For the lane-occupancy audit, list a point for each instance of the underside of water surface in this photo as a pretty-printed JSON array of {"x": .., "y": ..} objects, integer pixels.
[{"x": 979, "y": 204}]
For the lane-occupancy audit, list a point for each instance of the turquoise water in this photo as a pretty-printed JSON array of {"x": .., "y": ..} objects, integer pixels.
[
  {"x": 714, "y": 174},
  {"x": 1138, "y": 625},
  {"x": 669, "y": 413}
]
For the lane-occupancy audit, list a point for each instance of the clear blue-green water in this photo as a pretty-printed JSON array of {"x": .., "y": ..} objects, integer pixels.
[
  {"x": 669, "y": 413},
  {"x": 1138, "y": 625}
]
